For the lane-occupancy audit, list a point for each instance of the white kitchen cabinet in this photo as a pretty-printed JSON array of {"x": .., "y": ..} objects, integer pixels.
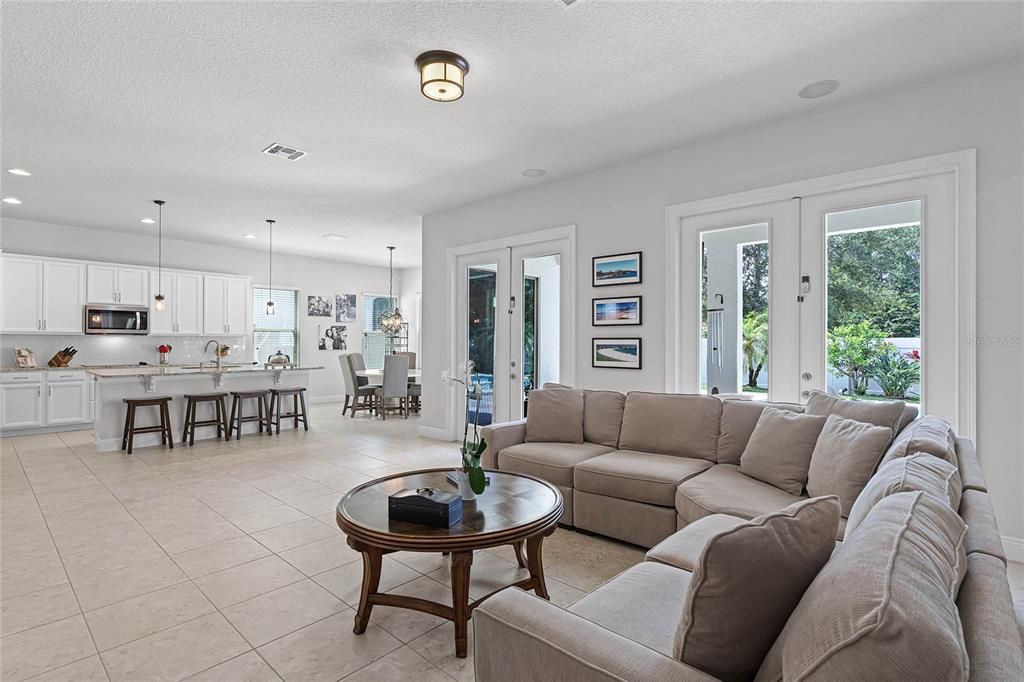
[
  {"x": 183, "y": 304},
  {"x": 237, "y": 304},
  {"x": 117, "y": 284},
  {"x": 67, "y": 402},
  {"x": 102, "y": 284},
  {"x": 21, "y": 402},
  {"x": 22, "y": 295},
  {"x": 63, "y": 296},
  {"x": 225, "y": 300}
]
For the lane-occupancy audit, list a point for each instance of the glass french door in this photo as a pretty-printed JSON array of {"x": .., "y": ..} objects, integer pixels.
[{"x": 483, "y": 289}]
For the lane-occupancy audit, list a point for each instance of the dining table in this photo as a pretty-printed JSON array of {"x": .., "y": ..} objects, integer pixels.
[{"x": 414, "y": 374}]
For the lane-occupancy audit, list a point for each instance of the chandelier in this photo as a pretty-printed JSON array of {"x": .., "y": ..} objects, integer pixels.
[{"x": 390, "y": 321}]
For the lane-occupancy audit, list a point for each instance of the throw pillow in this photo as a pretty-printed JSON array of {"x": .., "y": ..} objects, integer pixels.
[
  {"x": 602, "y": 417},
  {"x": 746, "y": 584},
  {"x": 739, "y": 417},
  {"x": 888, "y": 413},
  {"x": 780, "y": 447},
  {"x": 927, "y": 434},
  {"x": 919, "y": 471},
  {"x": 844, "y": 457},
  {"x": 555, "y": 415}
]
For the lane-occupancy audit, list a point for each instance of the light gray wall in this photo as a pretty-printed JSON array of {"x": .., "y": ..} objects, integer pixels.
[
  {"x": 310, "y": 275},
  {"x": 622, "y": 208}
]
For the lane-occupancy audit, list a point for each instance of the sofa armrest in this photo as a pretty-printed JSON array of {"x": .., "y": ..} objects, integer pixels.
[
  {"x": 518, "y": 636},
  {"x": 499, "y": 437},
  {"x": 682, "y": 549}
]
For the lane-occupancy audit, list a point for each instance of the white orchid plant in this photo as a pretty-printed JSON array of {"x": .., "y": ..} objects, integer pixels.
[{"x": 472, "y": 448}]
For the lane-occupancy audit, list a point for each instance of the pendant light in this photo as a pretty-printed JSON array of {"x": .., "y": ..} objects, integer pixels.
[
  {"x": 159, "y": 298},
  {"x": 390, "y": 321},
  {"x": 270, "y": 271}
]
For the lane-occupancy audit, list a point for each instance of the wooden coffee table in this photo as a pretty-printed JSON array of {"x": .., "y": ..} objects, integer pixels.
[{"x": 515, "y": 510}]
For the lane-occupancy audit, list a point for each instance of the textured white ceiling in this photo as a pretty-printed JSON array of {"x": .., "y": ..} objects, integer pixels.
[{"x": 111, "y": 104}]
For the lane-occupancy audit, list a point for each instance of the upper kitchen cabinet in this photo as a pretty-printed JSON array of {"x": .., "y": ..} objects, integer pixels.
[
  {"x": 63, "y": 296},
  {"x": 42, "y": 296},
  {"x": 225, "y": 300},
  {"x": 183, "y": 308},
  {"x": 118, "y": 284}
]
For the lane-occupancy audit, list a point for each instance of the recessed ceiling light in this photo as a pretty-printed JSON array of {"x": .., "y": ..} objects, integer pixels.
[
  {"x": 248, "y": 236},
  {"x": 18, "y": 171},
  {"x": 335, "y": 237},
  {"x": 534, "y": 173},
  {"x": 148, "y": 221},
  {"x": 818, "y": 89},
  {"x": 12, "y": 200}
]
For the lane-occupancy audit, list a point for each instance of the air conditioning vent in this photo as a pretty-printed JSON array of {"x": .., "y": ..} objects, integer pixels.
[{"x": 279, "y": 150}]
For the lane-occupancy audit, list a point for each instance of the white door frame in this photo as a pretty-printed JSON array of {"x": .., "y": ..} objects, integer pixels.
[
  {"x": 962, "y": 164},
  {"x": 568, "y": 301}
]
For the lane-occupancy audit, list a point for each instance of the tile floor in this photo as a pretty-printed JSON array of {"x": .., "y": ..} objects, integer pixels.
[{"x": 224, "y": 562}]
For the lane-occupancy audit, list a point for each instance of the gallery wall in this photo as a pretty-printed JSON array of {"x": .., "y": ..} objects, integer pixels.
[{"x": 622, "y": 208}]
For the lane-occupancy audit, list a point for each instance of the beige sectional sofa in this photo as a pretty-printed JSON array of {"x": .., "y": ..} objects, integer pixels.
[{"x": 669, "y": 479}]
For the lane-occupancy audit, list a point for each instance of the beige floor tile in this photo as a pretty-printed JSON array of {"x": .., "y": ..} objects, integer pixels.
[
  {"x": 248, "y": 667},
  {"x": 487, "y": 574},
  {"x": 212, "y": 558},
  {"x": 327, "y": 650},
  {"x": 406, "y": 624},
  {"x": 141, "y": 616},
  {"x": 106, "y": 549},
  {"x": 177, "y": 652},
  {"x": 301, "y": 492},
  {"x": 424, "y": 562},
  {"x": 87, "y": 670},
  {"x": 398, "y": 666},
  {"x": 322, "y": 555},
  {"x": 275, "y": 614},
  {"x": 562, "y": 594},
  {"x": 249, "y": 580},
  {"x": 37, "y": 608},
  {"x": 44, "y": 648},
  {"x": 28, "y": 549},
  {"x": 270, "y": 517},
  {"x": 324, "y": 504},
  {"x": 237, "y": 506},
  {"x": 345, "y": 582},
  {"x": 438, "y": 647},
  {"x": 111, "y": 587},
  {"x": 179, "y": 532},
  {"x": 292, "y": 535},
  {"x": 15, "y": 581}
]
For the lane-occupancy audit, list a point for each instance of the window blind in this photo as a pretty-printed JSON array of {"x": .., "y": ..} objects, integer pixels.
[{"x": 277, "y": 332}]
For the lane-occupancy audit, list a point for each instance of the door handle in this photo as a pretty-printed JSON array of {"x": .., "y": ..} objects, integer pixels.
[
  {"x": 39, "y": 324},
  {"x": 49, "y": 390},
  {"x": 37, "y": 391}
]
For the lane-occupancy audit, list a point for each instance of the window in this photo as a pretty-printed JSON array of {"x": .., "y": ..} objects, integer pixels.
[{"x": 278, "y": 332}]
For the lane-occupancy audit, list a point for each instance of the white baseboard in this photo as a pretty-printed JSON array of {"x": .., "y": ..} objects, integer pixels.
[
  {"x": 1014, "y": 548},
  {"x": 435, "y": 433},
  {"x": 321, "y": 399}
]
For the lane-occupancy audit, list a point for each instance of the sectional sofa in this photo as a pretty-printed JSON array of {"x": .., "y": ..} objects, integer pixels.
[{"x": 666, "y": 471}]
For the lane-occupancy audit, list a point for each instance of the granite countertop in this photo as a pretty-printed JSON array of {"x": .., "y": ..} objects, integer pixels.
[
  {"x": 186, "y": 370},
  {"x": 44, "y": 368}
]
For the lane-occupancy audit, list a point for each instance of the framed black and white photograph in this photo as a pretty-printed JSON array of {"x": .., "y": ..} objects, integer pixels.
[
  {"x": 619, "y": 268},
  {"x": 334, "y": 337},
  {"x": 318, "y": 306},
  {"x": 616, "y": 312},
  {"x": 617, "y": 353},
  {"x": 344, "y": 307}
]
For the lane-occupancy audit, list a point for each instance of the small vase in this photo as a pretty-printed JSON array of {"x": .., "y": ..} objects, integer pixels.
[
  {"x": 163, "y": 358},
  {"x": 465, "y": 489}
]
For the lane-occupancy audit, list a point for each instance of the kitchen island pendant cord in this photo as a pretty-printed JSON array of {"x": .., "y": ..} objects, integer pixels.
[
  {"x": 270, "y": 271},
  {"x": 159, "y": 298}
]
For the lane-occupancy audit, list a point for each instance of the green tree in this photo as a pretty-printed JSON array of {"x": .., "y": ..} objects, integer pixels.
[
  {"x": 755, "y": 277},
  {"x": 755, "y": 344},
  {"x": 852, "y": 350}
]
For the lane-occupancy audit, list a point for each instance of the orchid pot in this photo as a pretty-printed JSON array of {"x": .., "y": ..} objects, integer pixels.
[{"x": 471, "y": 478}]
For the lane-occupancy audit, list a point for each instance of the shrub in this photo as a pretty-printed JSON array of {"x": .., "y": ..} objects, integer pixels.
[
  {"x": 895, "y": 371},
  {"x": 852, "y": 350}
]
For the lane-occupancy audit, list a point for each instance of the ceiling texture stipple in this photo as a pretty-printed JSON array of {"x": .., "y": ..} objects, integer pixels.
[{"x": 112, "y": 103}]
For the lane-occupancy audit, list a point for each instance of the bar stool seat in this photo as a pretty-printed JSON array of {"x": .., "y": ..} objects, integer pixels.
[
  {"x": 163, "y": 428},
  {"x": 237, "y": 408},
  {"x": 220, "y": 410},
  {"x": 298, "y": 395}
]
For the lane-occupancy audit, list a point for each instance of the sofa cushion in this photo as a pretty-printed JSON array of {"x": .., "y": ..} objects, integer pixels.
[
  {"x": 927, "y": 434},
  {"x": 844, "y": 458},
  {"x": 887, "y": 413},
  {"x": 553, "y": 462},
  {"x": 917, "y": 472},
  {"x": 883, "y": 607},
  {"x": 767, "y": 562},
  {"x": 990, "y": 631},
  {"x": 982, "y": 530},
  {"x": 682, "y": 549},
  {"x": 671, "y": 424},
  {"x": 555, "y": 416},
  {"x": 638, "y": 476},
  {"x": 779, "y": 449},
  {"x": 910, "y": 413},
  {"x": 643, "y": 603},
  {"x": 722, "y": 489},
  {"x": 602, "y": 417},
  {"x": 739, "y": 417},
  {"x": 970, "y": 468}
]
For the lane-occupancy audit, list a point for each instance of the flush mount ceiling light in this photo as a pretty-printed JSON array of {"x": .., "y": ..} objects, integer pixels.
[
  {"x": 148, "y": 221},
  {"x": 818, "y": 89},
  {"x": 159, "y": 297},
  {"x": 248, "y": 235},
  {"x": 390, "y": 321},
  {"x": 12, "y": 200},
  {"x": 442, "y": 75},
  {"x": 335, "y": 237},
  {"x": 534, "y": 173},
  {"x": 18, "y": 171}
]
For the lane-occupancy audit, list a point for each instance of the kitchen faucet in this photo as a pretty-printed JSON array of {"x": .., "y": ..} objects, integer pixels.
[{"x": 215, "y": 350}]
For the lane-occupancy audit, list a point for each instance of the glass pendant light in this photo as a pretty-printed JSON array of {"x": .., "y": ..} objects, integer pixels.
[
  {"x": 390, "y": 321},
  {"x": 159, "y": 298},
  {"x": 270, "y": 271}
]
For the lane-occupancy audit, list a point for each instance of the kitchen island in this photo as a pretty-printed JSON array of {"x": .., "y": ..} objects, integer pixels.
[{"x": 114, "y": 384}]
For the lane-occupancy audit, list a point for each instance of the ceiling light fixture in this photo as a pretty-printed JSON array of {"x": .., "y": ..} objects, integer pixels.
[
  {"x": 18, "y": 171},
  {"x": 335, "y": 237},
  {"x": 534, "y": 173},
  {"x": 248, "y": 235},
  {"x": 390, "y": 321},
  {"x": 12, "y": 200},
  {"x": 818, "y": 89},
  {"x": 442, "y": 75},
  {"x": 270, "y": 271},
  {"x": 148, "y": 221},
  {"x": 159, "y": 298}
]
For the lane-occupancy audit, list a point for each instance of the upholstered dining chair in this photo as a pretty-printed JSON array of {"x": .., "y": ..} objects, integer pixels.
[
  {"x": 396, "y": 386},
  {"x": 361, "y": 396},
  {"x": 415, "y": 390}
]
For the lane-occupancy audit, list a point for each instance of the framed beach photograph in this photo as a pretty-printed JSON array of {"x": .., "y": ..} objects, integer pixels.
[
  {"x": 619, "y": 268},
  {"x": 617, "y": 353},
  {"x": 616, "y": 312}
]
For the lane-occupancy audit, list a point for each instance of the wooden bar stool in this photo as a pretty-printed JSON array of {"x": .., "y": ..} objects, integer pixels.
[
  {"x": 298, "y": 397},
  {"x": 237, "y": 407},
  {"x": 221, "y": 420},
  {"x": 163, "y": 428}
]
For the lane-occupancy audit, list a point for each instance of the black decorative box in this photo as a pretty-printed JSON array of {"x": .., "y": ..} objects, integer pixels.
[{"x": 427, "y": 506}]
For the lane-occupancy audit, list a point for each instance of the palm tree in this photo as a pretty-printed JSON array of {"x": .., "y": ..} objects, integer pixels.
[{"x": 755, "y": 344}]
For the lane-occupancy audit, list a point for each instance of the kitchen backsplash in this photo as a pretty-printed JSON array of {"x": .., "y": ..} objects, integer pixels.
[{"x": 120, "y": 350}]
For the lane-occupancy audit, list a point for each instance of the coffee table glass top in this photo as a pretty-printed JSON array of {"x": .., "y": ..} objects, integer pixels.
[{"x": 510, "y": 501}]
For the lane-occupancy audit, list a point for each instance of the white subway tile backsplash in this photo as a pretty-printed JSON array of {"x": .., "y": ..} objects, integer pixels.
[{"x": 120, "y": 350}]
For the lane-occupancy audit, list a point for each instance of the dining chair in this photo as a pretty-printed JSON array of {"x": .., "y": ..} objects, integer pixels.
[
  {"x": 395, "y": 387},
  {"x": 361, "y": 396},
  {"x": 415, "y": 389},
  {"x": 412, "y": 358}
]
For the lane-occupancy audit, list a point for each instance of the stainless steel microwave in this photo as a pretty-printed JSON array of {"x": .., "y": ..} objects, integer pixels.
[{"x": 105, "y": 318}]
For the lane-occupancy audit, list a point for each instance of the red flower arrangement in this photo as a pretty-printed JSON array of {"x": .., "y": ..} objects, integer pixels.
[{"x": 164, "y": 348}]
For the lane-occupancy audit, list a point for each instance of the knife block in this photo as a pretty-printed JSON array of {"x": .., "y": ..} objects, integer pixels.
[{"x": 59, "y": 360}]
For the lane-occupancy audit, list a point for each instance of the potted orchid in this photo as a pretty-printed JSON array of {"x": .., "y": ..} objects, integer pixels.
[{"x": 471, "y": 478}]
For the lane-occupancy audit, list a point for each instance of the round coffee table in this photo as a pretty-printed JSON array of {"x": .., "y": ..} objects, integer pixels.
[{"x": 514, "y": 510}]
